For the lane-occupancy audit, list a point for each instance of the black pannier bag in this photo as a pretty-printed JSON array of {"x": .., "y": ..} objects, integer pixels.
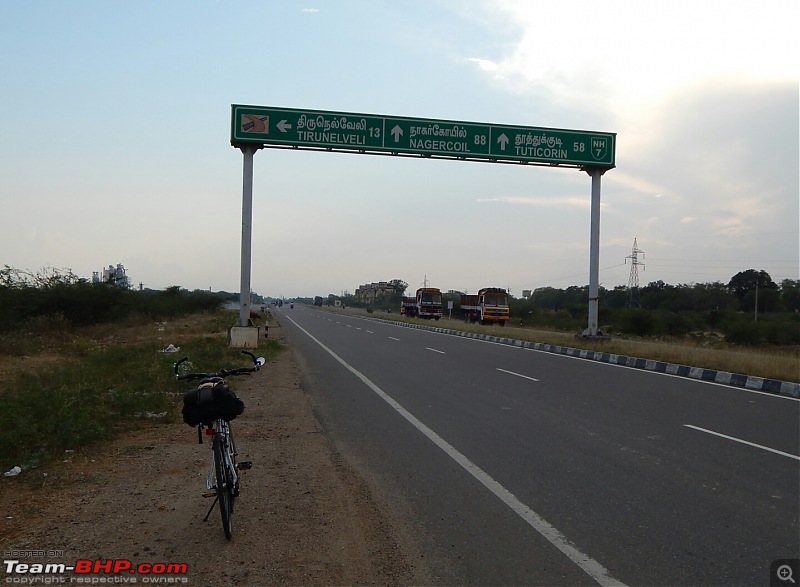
[{"x": 209, "y": 402}]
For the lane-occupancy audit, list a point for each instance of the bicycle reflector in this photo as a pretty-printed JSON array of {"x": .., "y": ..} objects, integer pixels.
[{"x": 210, "y": 432}]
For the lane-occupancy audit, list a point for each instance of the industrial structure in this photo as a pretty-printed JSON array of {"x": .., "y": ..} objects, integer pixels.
[{"x": 112, "y": 275}]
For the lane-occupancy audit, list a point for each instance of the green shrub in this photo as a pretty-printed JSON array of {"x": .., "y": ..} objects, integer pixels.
[
  {"x": 82, "y": 304},
  {"x": 675, "y": 324},
  {"x": 635, "y": 322},
  {"x": 84, "y": 400},
  {"x": 741, "y": 332}
]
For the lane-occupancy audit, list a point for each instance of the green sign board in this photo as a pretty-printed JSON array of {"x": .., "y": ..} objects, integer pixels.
[{"x": 373, "y": 133}]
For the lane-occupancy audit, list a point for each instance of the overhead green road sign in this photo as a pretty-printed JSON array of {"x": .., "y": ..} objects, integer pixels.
[
  {"x": 373, "y": 133},
  {"x": 306, "y": 128}
]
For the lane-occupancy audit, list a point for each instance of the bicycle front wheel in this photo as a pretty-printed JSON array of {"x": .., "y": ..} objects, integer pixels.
[{"x": 224, "y": 486}]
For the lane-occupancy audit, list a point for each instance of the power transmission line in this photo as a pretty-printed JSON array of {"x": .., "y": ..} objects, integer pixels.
[{"x": 634, "y": 299}]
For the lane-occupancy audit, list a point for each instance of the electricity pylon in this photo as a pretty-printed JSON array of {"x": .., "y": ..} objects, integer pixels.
[{"x": 634, "y": 300}]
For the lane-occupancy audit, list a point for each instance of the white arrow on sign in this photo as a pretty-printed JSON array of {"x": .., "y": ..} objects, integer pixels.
[
  {"x": 503, "y": 140},
  {"x": 283, "y": 126},
  {"x": 397, "y": 132}
]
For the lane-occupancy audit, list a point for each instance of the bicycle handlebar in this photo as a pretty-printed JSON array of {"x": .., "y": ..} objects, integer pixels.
[{"x": 222, "y": 373}]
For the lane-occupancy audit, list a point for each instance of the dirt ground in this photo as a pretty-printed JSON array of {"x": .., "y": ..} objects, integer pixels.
[{"x": 305, "y": 517}]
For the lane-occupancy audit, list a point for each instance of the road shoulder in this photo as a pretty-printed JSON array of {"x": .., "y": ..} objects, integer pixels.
[{"x": 305, "y": 516}]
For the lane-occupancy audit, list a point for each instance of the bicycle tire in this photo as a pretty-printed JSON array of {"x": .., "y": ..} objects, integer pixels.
[{"x": 224, "y": 488}]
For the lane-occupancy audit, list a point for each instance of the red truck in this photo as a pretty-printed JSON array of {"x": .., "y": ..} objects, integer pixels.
[
  {"x": 489, "y": 306},
  {"x": 426, "y": 304}
]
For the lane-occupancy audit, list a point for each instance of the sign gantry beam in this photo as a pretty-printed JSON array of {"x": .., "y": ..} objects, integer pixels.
[{"x": 422, "y": 137}]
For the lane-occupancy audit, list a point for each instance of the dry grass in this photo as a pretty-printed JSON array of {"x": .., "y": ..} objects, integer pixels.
[{"x": 29, "y": 351}]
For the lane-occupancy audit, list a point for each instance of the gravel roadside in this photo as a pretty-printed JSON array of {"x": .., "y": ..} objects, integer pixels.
[{"x": 305, "y": 516}]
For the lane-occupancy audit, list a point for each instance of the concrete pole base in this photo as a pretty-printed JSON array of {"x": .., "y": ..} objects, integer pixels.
[{"x": 244, "y": 337}]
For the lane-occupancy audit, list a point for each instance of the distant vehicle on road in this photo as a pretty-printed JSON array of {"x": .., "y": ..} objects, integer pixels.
[
  {"x": 318, "y": 301},
  {"x": 489, "y": 306},
  {"x": 426, "y": 304}
]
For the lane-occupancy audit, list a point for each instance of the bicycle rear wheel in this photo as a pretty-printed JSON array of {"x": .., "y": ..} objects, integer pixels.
[{"x": 224, "y": 486}]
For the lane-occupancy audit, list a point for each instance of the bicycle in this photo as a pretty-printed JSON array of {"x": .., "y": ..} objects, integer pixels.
[{"x": 212, "y": 405}]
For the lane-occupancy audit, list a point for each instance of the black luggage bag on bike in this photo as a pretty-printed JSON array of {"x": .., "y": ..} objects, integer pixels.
[{"x": 209, "y": 402}]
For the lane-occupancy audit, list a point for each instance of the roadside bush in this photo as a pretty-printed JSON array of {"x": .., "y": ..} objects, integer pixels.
[
  {"x": 782, "y": 332},
  {"x": 636, "y": 322},
  {"x": 55, "y": 322},
  {"x": 557, "y": 320},
  {"x": 742, "y": 329},
  {"x": 742, "y": 332},
  {"x": 51, "y": 409},
  {"x": 714, "y": 318},
  {"x": 83, "y": 304},
  {"x": 676, "y": 324},
  {"x": 91, "y": 393}
]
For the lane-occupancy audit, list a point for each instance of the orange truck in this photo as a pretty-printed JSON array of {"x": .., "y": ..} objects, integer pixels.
[
  {"x": 489, "y": 306},
  {"x": 426, "y": 304}
]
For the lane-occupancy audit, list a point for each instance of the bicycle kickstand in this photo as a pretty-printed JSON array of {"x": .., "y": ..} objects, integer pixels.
[{"x": 211, "y": 509}]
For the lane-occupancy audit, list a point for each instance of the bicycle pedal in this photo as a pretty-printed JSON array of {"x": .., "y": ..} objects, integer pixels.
[
  {"x": 214, "y": 494},
  {"x": 244, "y": 465}
]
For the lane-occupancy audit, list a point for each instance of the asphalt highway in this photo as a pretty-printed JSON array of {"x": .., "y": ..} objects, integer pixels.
[{"x": 518, "y": 467}]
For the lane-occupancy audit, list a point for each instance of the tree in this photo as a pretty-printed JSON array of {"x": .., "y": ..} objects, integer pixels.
[
  {"x": 656, "y": 286},
  {"x": 657, "y": 294},
  {"x": 790, "y": 294},
  {"x": 616, "y": 298},
  {"x": 45, "y": 278},
  {"x": 399, "y": 286},
  {"x": 769, "y": 300},
  {"x": 712, "y": 296},
  {"x": 396, "y": 299},
  {"x": 746, "y": 281}
]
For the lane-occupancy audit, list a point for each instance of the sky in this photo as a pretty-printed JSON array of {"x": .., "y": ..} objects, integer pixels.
[{"x": 115, "y": 141}]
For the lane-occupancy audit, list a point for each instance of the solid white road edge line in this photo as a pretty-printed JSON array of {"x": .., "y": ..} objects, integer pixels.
[
  {"x": 590, "y": 566},
  {"x": 777, "y": 452}
]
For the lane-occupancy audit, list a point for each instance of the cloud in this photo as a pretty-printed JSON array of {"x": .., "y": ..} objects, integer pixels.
[
  {"x": 484, "y": 64},
  {"x": 570, "y": 246},
  {"x": 562, "y": 202},
  {"x": 637, "y": 184},
  {"x": 723, "y": 155},
  {"x": 630, "y": 53},
  {"x": 310, "y": 10},
  {"x": 732, "y": 151}
]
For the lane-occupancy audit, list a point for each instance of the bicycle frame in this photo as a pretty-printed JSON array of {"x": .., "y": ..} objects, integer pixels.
[
  {"x": 222, "y": 477},
  {"x": 229, "y": 453}
]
